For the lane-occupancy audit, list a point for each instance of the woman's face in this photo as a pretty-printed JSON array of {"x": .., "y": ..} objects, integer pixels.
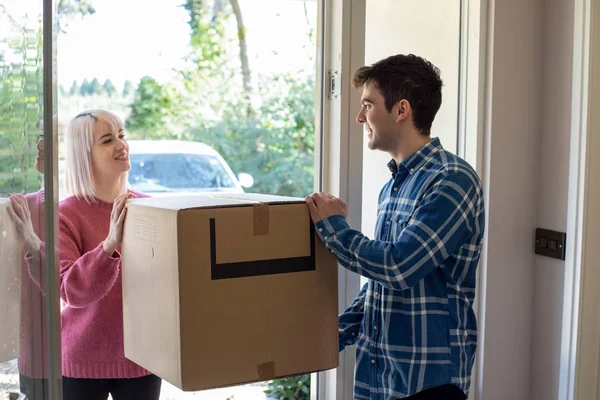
[
  {"x": 39, "y": 159},
  {"x": 110, "y": 152}
]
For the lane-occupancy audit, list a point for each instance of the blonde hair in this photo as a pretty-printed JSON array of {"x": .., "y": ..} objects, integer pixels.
[{"x": 79, "y": 139}]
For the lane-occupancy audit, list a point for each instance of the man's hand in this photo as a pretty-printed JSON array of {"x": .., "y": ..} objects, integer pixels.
[{"x": 323, "y": 205}]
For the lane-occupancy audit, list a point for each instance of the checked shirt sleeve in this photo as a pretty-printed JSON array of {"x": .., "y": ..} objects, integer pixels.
[
  {"x": 443, "y": 221},
  {"x": 351, "y": 318}
]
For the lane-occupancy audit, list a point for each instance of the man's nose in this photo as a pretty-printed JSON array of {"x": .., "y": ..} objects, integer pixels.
[{"x": 360, "y": 118}]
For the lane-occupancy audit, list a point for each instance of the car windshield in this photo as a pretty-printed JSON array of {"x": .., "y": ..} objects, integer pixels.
[{"x": 177, "y": 172}]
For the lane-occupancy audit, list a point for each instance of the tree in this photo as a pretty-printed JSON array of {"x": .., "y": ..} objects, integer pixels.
[
  {"x": 96, "y": 87},
  {"x": 277, "y": 148},
  {"x": 86, "y": 88},
  {"x": 219, "y": 13},
  {"x": 275, "y": 143},
  {"x": 150, "y": 110},
  {"x": 127, "y": 88},
  {"x": 75, "y": 89},
  {"x": 109, "y": 88},
  {"x": 69, "y": 9},
  {"x": 246, "y": 74},
  {"x": 21, "y": 92}
]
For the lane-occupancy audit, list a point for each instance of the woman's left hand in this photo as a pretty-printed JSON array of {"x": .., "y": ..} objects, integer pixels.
[{"x": 19, "y": 211}]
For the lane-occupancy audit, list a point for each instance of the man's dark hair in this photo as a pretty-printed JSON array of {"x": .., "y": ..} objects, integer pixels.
[{"x": 406, "y": 77}]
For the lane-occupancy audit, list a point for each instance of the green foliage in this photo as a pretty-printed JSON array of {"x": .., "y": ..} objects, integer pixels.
[
  {"x": 275, "y": 144},
  {"x": 276, "y": 147},
  {"x": 86, "y": 88},
  {"x": 291, "y": 388},
  {"x": 21, "y": 92},
  {"x": 20, "y": 111},
  {"x": 127, "y": 88},
  {"x": 70, "y": 9},
  {"x": 96, "y": 87},
  {"x": 75, "y": 88},
  {"x": 150, "y": 110},
  {"x": 109, "y": 88}
]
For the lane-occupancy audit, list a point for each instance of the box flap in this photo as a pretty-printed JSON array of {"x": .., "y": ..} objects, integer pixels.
[{"x": 193, "y": 201}]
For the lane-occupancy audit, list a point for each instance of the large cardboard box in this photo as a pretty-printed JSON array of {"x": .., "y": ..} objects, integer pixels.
[
  {"x": 10, "y": 285},
  {"x": 227, "y": 289}
]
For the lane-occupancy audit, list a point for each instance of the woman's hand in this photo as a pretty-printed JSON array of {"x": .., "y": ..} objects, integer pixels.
[
  {"x": 117, "y": 220},
  {"x": 19, "y": 212}
]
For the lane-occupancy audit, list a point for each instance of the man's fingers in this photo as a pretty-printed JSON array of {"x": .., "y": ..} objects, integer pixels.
[{"x": 318, "y": 199}]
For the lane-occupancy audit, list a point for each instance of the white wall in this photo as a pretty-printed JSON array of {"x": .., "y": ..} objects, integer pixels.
[
  {"x": 525, "y": 169},
  {"x": 430, "y": 29},
  {"x": 511, "y": 143},
  {"x": 553, "y": 189}
]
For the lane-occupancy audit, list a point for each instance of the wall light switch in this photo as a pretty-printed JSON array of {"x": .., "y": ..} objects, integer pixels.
[{"x": 550, "y": 243}]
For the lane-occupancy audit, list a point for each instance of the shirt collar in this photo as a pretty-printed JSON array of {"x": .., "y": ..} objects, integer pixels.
[{"x": 417, "y": 159}]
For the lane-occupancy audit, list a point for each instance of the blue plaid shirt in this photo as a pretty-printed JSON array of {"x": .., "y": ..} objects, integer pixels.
[{"x": 413, "y": 322}]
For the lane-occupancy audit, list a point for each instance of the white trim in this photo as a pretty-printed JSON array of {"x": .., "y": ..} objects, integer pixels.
[
  {"x": 472, "y": 82},
  {"x": 580, "y": 327},
  {"x": 471, "y": 119},
  {"x": 341, "y": 171}
]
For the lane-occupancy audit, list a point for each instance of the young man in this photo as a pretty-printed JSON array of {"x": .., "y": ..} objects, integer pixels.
[{"x": 413, "y": 322}]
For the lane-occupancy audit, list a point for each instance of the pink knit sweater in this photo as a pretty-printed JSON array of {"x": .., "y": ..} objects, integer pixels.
[
  {"x": 90, "y": 287},
  {"x": 32, "y": 356}
]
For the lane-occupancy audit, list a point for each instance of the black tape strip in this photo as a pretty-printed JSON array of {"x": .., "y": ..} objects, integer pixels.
[{"x": 259, "y": 267}]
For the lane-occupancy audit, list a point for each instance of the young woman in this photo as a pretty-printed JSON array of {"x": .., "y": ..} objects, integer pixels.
[
  {"x": 27, "y": 212},
  {"x": 91, "y": 229}
]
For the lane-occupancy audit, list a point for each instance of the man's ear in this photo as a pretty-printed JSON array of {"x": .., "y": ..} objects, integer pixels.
[{"x": 402, "y": 110}]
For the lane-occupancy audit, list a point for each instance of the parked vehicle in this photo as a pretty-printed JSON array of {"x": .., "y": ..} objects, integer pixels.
[{"x": 171, "y": 167}]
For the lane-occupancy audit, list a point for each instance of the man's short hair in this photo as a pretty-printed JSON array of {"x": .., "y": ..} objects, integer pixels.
[{"x": 406, "y": 77}]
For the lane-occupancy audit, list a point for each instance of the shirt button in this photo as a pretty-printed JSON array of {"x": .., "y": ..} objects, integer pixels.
[
  {"x": 387, "y": 222},
  {"x": 374, "y": 327},
  {"x": 372, "y": 361},
  {"x": 412, "y": 170},
  {"x": 395, "y": 189},
  {"x": 320, "y": 229}
]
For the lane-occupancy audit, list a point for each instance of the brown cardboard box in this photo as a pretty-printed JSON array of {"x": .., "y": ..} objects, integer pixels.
[
  {"x": 227, "y": 289},
  {"x": 10, "y": 285}
]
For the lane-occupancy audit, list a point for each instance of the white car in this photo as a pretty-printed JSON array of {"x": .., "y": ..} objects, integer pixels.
[
  {"x": 162, "y": 167},
  {"x": 172, "y": 167}
]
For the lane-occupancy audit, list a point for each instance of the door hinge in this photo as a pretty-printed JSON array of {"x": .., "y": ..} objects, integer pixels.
[{"x": 334, "y": 84}]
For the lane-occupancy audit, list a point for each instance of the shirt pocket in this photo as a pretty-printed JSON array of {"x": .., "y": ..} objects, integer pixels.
[{"x": 397, "y": 224}]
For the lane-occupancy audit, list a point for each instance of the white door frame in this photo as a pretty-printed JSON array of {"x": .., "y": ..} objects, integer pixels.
[
  {"x": 342, "y": 142},
  {"x": 580, "y": 341},
  {"x": 341, "y": 156}
]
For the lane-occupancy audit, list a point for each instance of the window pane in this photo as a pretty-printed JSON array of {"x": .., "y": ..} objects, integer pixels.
[
  {"x": 24, "y": 365},
  {"x": 216, "y": 96}
]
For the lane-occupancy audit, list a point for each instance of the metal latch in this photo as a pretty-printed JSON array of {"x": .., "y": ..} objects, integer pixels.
[{"x": 334, "y": 84}]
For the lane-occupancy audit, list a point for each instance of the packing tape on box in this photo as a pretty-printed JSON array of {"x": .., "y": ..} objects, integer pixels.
[
  {"x": 266, "y": 371},
  {"x": 261, "y": 218}
]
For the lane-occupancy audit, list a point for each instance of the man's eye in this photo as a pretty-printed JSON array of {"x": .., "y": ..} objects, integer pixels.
[
  {"x": 107, "y": 141},
  {"x": 122, "y": 136}
]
